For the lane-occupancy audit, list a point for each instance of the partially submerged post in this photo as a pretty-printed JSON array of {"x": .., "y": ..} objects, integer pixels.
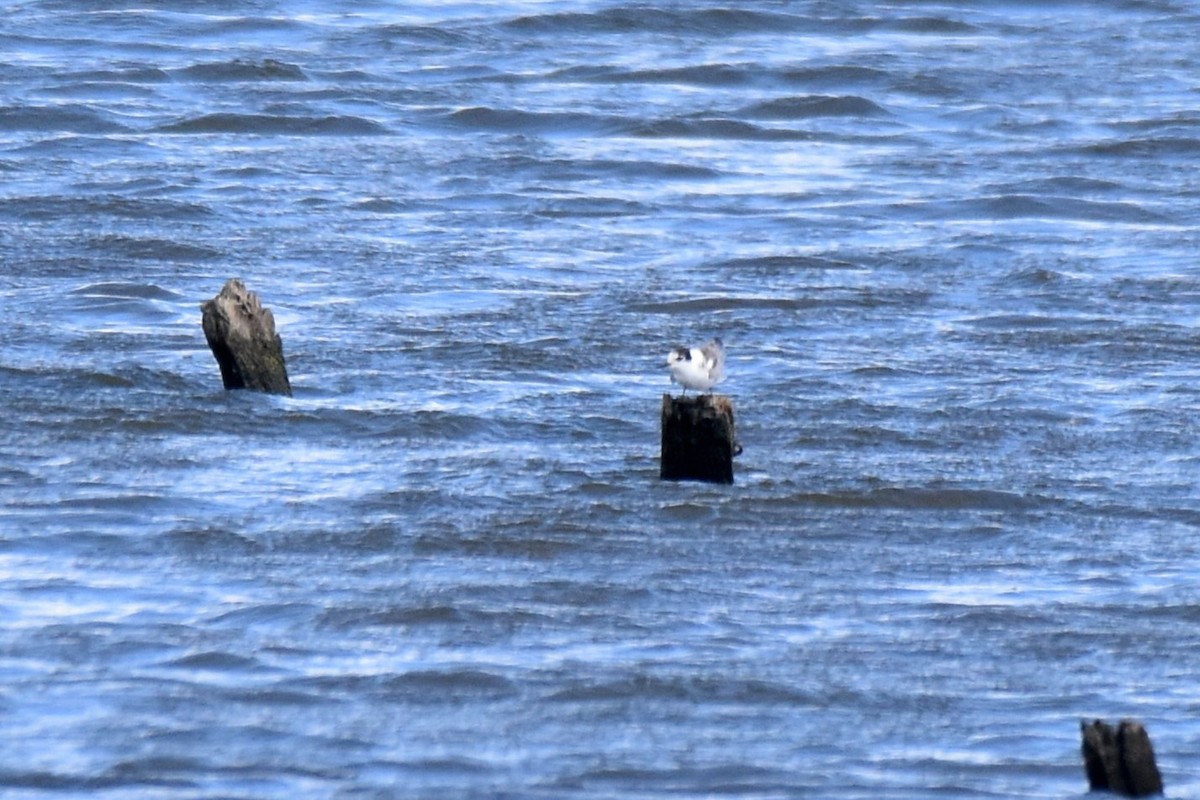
[
  {"x": 241, "y": 334},
  {"x": 1120, "y": 760},
  {"x": 698, "y": 441}
]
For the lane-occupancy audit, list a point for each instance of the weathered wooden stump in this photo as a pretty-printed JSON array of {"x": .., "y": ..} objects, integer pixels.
[
  {"x": 698, "y": 441},
  {"x": 241, "y": 334},
  {"x": 1120, "y": 760}
]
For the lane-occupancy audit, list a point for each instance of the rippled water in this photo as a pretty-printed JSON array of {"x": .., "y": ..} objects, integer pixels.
[{"x": 950, "y": 246}]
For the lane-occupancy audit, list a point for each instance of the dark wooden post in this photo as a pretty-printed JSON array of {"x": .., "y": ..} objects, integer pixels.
[
  {"x": 241, "y": 334},
  {"x": 1120, "y": 760},
  {"x": 698, "y": 441}
]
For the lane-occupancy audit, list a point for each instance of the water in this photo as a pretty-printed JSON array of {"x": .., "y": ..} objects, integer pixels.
[{"x": 951, "y": 250}]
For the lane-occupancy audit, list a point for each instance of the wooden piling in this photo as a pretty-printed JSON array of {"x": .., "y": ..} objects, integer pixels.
[
  {"x": 698, "y": 440},
  {"x": 241, "y": 334},
  {"x": 1120, "y": 760}
]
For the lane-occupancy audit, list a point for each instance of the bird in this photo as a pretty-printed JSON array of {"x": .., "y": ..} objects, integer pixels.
[{"x": 699, "y": 368}]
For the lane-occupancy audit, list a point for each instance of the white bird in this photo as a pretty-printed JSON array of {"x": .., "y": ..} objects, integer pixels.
[{"x": 699, "y": 368}]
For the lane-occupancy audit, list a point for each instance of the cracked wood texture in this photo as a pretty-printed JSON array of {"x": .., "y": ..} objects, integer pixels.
[{"x": 241, "y": 334}]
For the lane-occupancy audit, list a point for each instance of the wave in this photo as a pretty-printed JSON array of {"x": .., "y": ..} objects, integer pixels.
[
  {"x": 677, "y": 21},
  {"x": 731, "y": 75},
  {"x": 718, "y": 75},
  {"x": 511, "y": 120},
  {"x": 1150, "y": 147},
  {"x": 774, "y": 264},
  {"x": 722, "y": 780},
  {"x": 275, "y": 125},
  {"x": 844, "y": 298},
  {"x": 1031, "y": 206},
  {"x": 141, "y": 74},
  {"x": 927, "y": 499},
  {"x": 837, "y": 75},
  {"x": 624, "y": 170},
  {"x": 155, "y": 249},
  {"x": 647, "y": 687},
  {"x": 580, "y": 123},
  {"x": 56, "y": 208},
  {"x": 789, "y": 108},
  {"x": 126, "y": 291},
  {"x": 930, "y": 25},
  {"x": 439, "y": 684},
  {"x": 718, "y": 128},
  {"x": 242, "y": 71},
  {"x": 1057, "y": 185},
  {"x": 70, "y": 118}
]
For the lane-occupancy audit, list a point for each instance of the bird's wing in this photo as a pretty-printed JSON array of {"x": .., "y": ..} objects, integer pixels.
[{"x": 714, "y": 359}]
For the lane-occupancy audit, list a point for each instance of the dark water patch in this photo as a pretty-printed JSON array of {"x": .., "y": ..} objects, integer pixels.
[
  {"x": 154, "y": 249},
  {"x": 719, "y": 129},
  {"x": 57, "y": 781},
  {"x": 402, "y": 772},
  {"x": 156, "y": 770},
  {"x": 642, "y": 171},
  {"x": 815, "y": 297},
  {"x": 444, "y": 35},
  {"x": 644, "y": 687},
  {"x": 446, "y": 425},
  {"x": 807, "y": 107},
  {"x": 1070, "y": 185},
  {"x": 1179, "y": 122},
  {"x": 128, "y": 291},
  {"x": 258, "y": 24},
  {"x": 1037, "y": 278},
  {"x": 837, "y": 76},
  {"x": 251, "y": 172},
  {"x": 260, "y": 698},
  {"x": 275, "y": 125},
  {"x": 434, "y": 614},
  {"x": 237, "y": 71},
  {"x": 102, "y": 91},
  {"x": 265, "y": 614},
  {"x": 440, "y": 686},
  {"x": 657, "y": 170},
  {"x": 1016, "y": 321},
  {"x": 511, "y": 540},
  {"x": 381, "y": 205},
  {"x": 712, "y": 304},
  {"x": 1090, "y": 340},
  {"x": 201, "y": 540},
  {"x": 929, "y": 499},
  {"x": 783, "y": 265},
  {"x": 57, "y": 208},
  {"x": 731, "y": 779},
  {"x": 930, "y": 25},
  {"x": 56, "y": 119},
  {"x": 119, "y": 75},
  {"x": 1149, "y": 147},
  {"x": 217, "y": 661},
  {"x": 131, "y": 502},
  {"x": 710, "y": 75},
  {"x": 90, "y": 146},
  {"x": 590, "y": 207},
  {"x": 1028, "y": 206},
  {"x": 516, "y": 121},
  {"x": 625, "y": 20},
  {"x": 106, "y": 380}
]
